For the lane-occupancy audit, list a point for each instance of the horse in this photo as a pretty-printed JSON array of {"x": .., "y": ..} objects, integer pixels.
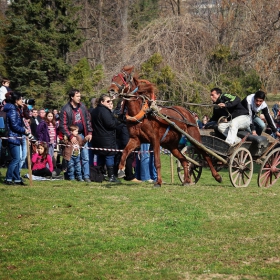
[{"x": 145, "y": 126}]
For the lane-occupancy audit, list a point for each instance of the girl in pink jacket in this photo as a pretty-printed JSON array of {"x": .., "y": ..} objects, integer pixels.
[{"x": 40, "y": 160}]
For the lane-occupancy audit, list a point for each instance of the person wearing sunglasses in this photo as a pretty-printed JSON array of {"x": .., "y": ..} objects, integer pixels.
[{"x": 104, "y": 126}]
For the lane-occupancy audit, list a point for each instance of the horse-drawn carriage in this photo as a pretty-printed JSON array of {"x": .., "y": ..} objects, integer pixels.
[
  {"x": 163, "y": 126},
  {"x": 263, "y": 150}
]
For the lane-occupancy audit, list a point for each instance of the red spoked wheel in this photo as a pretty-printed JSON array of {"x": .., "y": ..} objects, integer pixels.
[{"x": 270, "y": 170}]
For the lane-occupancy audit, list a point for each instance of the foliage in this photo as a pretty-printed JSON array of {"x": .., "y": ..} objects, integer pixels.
[
  {"x": 143, "y": 12},
  {"x": 155, "y": 70},
  {"x": 39, "y": 35},
  {"x": 229, "y": 74},
  {"x": 84, "y": 78}
]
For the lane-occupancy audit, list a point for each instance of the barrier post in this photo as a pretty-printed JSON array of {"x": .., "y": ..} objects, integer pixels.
[
  {"x": 29, "y": 161},
  {"x": 171, "y": 164}
]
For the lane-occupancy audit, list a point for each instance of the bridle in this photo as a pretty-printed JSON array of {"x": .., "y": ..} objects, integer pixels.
[{"x": 127, "y": 80}]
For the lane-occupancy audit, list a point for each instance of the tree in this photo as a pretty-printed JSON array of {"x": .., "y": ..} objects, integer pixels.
[{"x": 39, "y": 35}]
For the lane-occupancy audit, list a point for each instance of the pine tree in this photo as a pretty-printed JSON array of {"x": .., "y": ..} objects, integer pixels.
[{"x": 39, "y": 35}]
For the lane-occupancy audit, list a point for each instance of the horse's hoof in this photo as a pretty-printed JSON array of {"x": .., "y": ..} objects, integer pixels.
[
  {"x": 121, "y": 174},
  {"x": 219, "y": 179},
  {"x": 157, "y": 185},
  {"x": 188, "y": 184}
]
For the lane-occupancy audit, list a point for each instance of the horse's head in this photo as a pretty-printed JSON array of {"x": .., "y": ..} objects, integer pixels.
[{"x": 122, "y": 82}]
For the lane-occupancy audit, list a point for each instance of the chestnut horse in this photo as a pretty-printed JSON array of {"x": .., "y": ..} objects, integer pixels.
[{"x": 145, "y": 127}]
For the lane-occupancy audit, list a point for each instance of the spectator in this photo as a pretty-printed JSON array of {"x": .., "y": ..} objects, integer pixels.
[
  {"x": 43, "y": 132},
  {"x": 16, "y": 130},
  {"x": 42, "y": 115},
  {"x": 104, "y": 126},
  {"x": 122, "y": 140},
  {"x": 145, "y": 166},
  {"x": 42, "y": 163},
  {"x": 92, "y": 155},
  {"x": 256, "y": 104},
  {"x": 75, "y": 113},
  {"x": 71, "y": 153},
  {"x": 34, "y": 122},
  {"x": 40, "y": 160},
  {"x": 5, "y": 83},
  {"x": 275, "y": 109},
  {"x": 205, "y": 120},
  {"x": 198, "y": 121},
  {"x": 234, "y": 115},
  {"x": 56, "y": 115}
]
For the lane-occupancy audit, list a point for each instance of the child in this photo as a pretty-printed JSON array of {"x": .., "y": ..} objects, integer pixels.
[
  {"x": 40, "y": 160},
  {"x": 71, "y": 153}
]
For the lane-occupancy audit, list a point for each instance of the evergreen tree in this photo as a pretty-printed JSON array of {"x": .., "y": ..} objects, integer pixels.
[{"x": 39, "y": 35}]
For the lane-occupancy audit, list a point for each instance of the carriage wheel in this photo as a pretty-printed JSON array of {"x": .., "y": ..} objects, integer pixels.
[
  {"x": 270, "y": 170},
  {"x": 241, "y": 168},
  {"x": 194, "y": 170}
]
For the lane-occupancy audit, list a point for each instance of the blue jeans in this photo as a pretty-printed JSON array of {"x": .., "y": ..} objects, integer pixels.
[
  {"x": 23, "y": 152},
  {"x": 13, "y": 171},
  {"x": 85, "y": 159},
  {"x": 106, "y": 160},
  {"x": 74, "y": 168},
  {"x": 145, "y": 167},
  {"x": 259, "y": 125}
]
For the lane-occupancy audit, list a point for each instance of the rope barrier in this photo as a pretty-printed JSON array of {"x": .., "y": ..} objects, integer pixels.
[{"x": 165, "y": 151}]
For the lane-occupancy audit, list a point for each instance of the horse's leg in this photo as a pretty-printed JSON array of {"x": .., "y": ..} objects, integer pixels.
[
  {"x": 156, "y": 149},
  {"x": 131, "y": 145},
  {"x": 215, "y": 174},
  {"x": 177, "y": 153}
]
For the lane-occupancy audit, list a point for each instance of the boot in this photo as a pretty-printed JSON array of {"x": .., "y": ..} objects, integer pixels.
[{"x": 111, "y": 175}]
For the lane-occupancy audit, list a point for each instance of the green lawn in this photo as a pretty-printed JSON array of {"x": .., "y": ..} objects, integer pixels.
[{"x": 64, "y": 230}]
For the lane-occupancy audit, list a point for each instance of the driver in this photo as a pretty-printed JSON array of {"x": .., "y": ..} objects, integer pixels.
[{"x": 234, "y": 115}]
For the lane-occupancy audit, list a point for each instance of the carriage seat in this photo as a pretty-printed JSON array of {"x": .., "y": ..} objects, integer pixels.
[
  {"x": 259, "y": 143},
  {"x": 259, "y": 140}
]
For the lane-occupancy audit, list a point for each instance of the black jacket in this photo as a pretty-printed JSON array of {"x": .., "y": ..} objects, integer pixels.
[
  {"x": 104, "y": 126},
  {"x": 232, "y": 110}
]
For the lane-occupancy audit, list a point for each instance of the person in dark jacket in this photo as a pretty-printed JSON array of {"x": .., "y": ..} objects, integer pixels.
[
  {"x": 255, "y": 103},
  {"x": 234, "y": 115},
  {"x": 104, "y": 126},
  {"x": 16, "y": 130},
  {"x": 75, "y": 113},
  {"x": 122, "y": 140}
]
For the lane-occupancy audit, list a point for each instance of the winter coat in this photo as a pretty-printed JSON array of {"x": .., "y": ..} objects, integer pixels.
[
  {"x": 104, "y": 126},
  {"x": 15, "y": 123},
  {"x": 43, "y": 132},
  {"x": 66, "y": 119},
  {"x": 232, "y": 110}
]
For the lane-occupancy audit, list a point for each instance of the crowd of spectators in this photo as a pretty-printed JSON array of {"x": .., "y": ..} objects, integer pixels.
[{"x": 67, "y": 142}]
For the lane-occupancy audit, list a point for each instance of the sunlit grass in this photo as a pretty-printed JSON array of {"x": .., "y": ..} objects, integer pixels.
[{"x": 63, "y": 230}]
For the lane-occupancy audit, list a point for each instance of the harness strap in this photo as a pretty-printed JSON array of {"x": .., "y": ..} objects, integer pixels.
[
  {"x": 140, "y": 116},
  {"x": 165, "y": 133}
]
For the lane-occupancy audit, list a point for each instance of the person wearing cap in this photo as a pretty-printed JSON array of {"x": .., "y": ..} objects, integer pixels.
[
  {"x": 234, "y": 115},
  {"x": 255, "y": 103}
]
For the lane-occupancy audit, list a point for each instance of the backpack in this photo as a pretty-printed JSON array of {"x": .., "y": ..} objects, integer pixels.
[
  {"x": 3, "y": 124},
  {"x": 96, "y": 174}
]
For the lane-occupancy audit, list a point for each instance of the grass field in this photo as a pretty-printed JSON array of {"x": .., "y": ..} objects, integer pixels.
[{"x": 63, "y": 230}]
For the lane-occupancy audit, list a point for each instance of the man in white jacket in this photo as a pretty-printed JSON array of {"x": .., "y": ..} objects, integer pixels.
[{"x": 255, "y": 103}]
